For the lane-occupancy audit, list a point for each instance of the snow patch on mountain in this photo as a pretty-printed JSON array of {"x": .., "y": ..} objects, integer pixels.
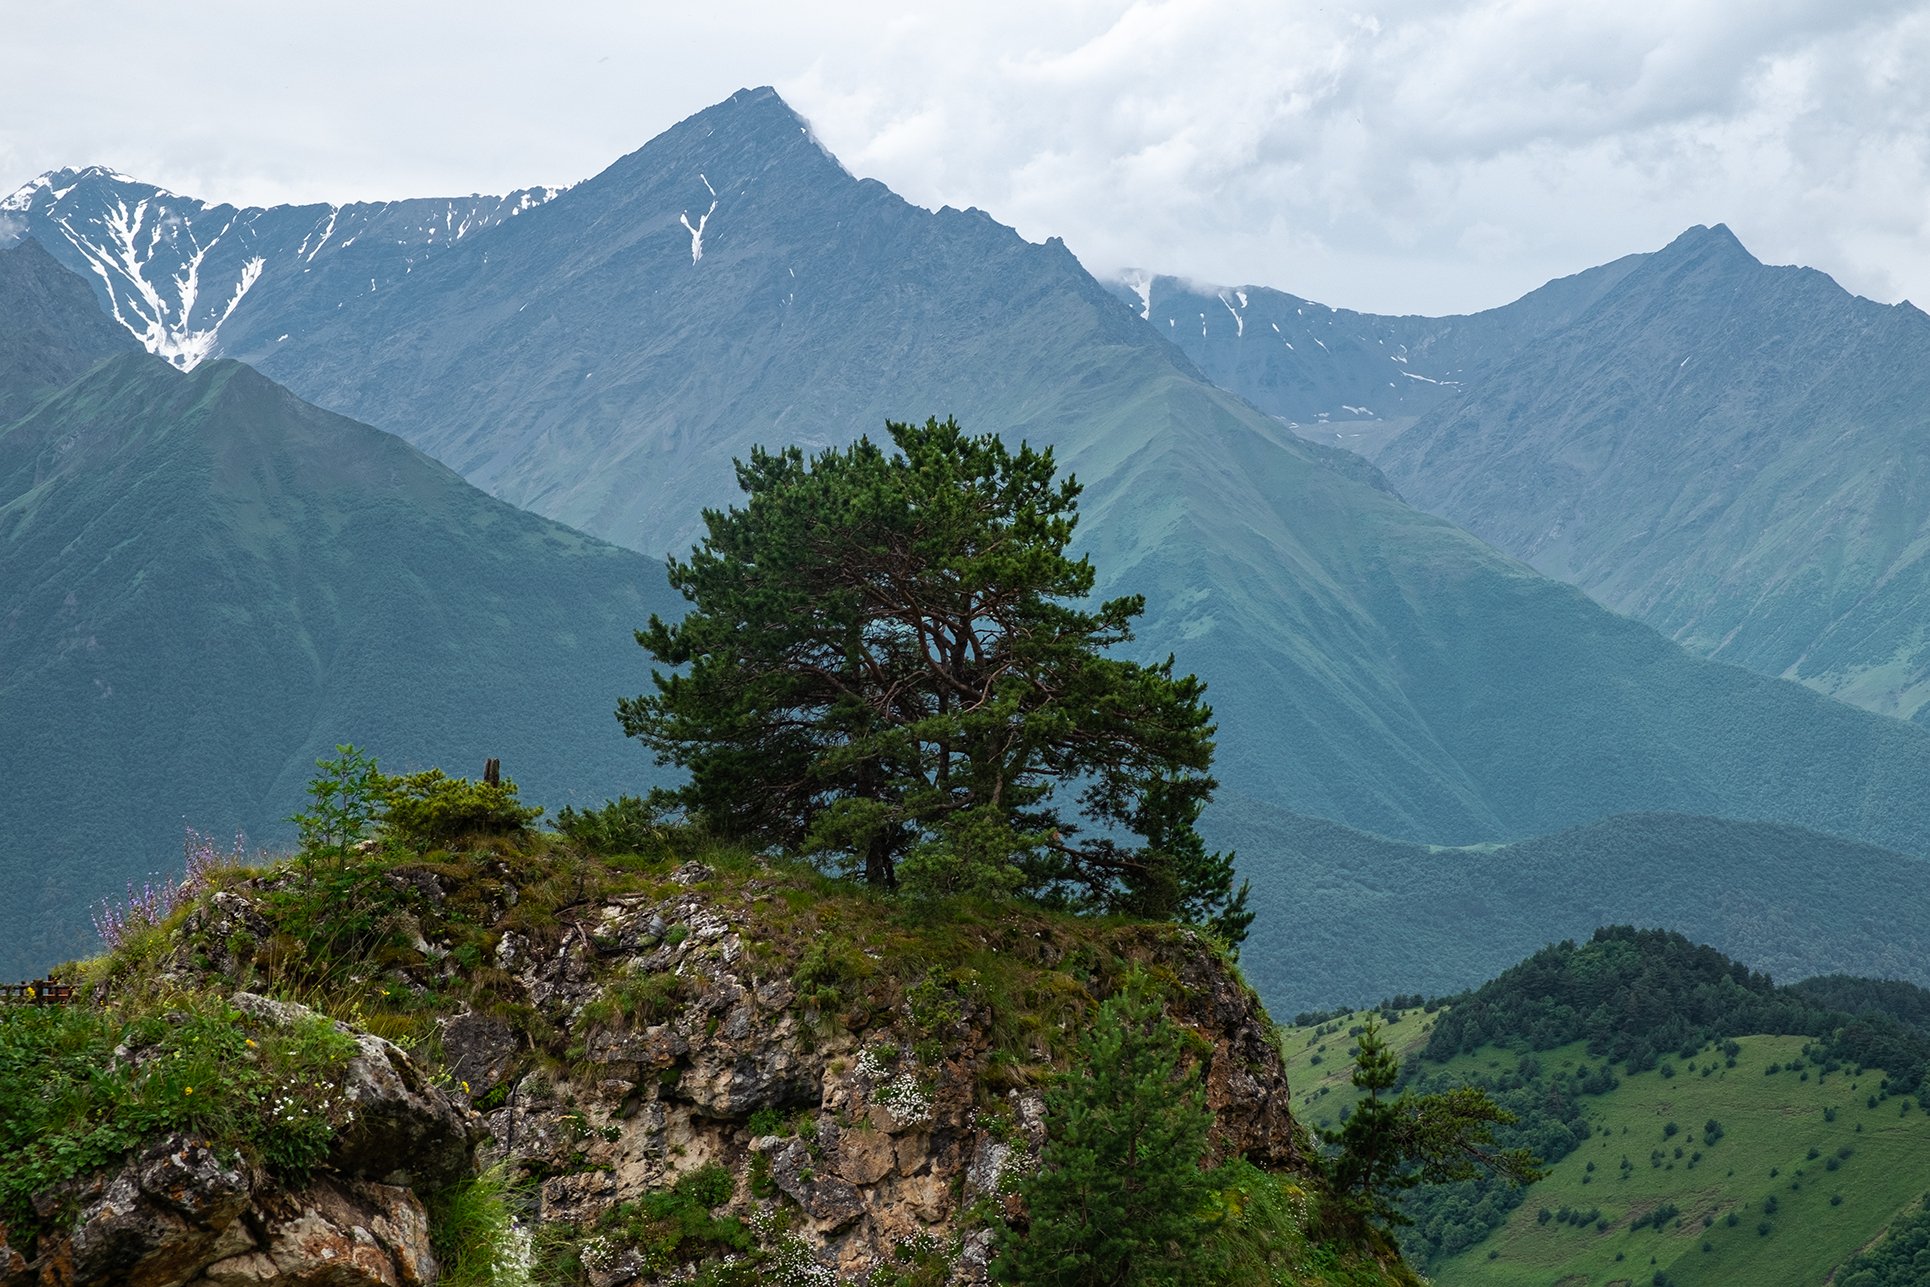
[
  {"x": 173, "y": 270},
  {"x": 1238, "y": 321},
  {"x": 697, "y": 231}
]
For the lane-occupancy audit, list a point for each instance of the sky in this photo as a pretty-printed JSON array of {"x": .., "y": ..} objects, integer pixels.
[{"x": 1427, "y": 156}]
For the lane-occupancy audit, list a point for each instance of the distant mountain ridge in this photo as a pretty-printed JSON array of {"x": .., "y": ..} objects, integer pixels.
[
  {"x": 1338, "y": 376},
  {"x": 1398, "y": 917},
  {"x": 1737, "y": 454},
  {"x": 174, "y": 271},
  {"x": 1728, "y": 451}
]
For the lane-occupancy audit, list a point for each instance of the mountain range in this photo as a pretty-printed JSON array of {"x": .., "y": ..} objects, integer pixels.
[
  {"x": 1732, "y": 452},
  {"x": 1727, "y": 450},
  {"x": 1340, "y": 377},
  {"x": 175, "y": 271},
  {"x": 1397, "y": 917},
  {"x": 601, "y": 355}
]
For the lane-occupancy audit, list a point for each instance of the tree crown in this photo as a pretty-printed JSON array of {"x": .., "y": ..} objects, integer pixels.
[{"x": 891, "y": 661}]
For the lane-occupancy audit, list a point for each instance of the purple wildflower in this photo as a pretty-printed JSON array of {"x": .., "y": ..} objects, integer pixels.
[{"x": 117, "y": 919}]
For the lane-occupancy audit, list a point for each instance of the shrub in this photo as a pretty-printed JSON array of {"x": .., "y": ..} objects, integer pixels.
[
  {"x": 1119, "y": 1194},
  {"x": 827, "y": 971},
  {"x": 429, "y": 810},
  {"x": 625, "y": 825},
  {"x": 708, "y": 1187},
  {"x": 345, "y": 798}
]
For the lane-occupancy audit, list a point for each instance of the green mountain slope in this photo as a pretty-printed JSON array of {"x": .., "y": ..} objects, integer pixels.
[
  {"x": 1733, "y": 453},
  {"x": 1395, "y": 917},
  {"x": 205, "y": 583},
  {"x": 50, "y": 331},
  {"x": 1701, "y": 1124},
  {"x": 1770, "y": 1124}
]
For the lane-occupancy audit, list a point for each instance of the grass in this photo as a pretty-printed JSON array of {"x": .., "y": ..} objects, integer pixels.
[
  {"x": 1320, "y": 1060},
  {"x": 1771, "y": 1125},
  {"x": 85, "y": 1085},
  {"x": 473, "y": 1229}
]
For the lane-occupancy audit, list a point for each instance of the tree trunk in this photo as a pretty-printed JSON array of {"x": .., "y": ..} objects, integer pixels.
[{"x": 879, "y": 870}]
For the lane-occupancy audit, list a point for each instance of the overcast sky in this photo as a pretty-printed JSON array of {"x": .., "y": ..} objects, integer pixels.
[{"x": 1410, "y": 156}]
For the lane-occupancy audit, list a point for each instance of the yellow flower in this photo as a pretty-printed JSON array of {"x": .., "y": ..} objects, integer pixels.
[
  {"x": 188, "y": 1091},
  {"x": 251, "y": 1042},
  {"x": 465, "y": 1088}
]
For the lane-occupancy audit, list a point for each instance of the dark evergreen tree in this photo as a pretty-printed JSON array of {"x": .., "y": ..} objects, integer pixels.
[
  {"x": 890, "y": 661},
  {"x": 1119, "y": 1197},
  {"x": 1389, "y": 1145}
]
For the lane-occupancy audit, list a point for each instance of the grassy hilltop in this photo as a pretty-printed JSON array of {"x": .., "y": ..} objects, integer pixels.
[{"x": 1736, "y": 1156}]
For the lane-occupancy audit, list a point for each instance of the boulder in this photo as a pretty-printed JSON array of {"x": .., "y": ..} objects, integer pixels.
[
  {"x": 399, "y": 1127},
  {"x": 156, "y": 1222},
  {"x": 479, "y": 1049},
  {"x": 827, "y": 1199},
  {"x": 335, "y": 1233}
]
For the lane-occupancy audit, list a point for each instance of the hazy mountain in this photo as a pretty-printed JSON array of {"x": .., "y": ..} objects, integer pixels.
[
  {"x": 1396, "y": 918},
  {"x": 601, "y": 357},
  {"x": 176, "y": 272},
  {"x": 1336, "y": 376},
  {"x": 50, "y": 332},
  {"x": 206, "y": 583},
  {"x": 1734, "y": 453}
]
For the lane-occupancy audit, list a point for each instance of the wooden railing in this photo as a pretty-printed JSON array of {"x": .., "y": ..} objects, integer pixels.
[{"x": 37, "y": 992}]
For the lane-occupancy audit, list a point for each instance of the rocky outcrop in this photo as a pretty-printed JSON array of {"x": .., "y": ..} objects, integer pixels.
[
  {"x": 866, "y": 1135},
  {"x": 180, "y": 1214},
  {"x": 695, "y": 1069}
]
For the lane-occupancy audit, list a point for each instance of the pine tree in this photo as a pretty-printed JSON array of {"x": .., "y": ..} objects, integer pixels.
[
  {"x": 1389, "y": 1145},
  {"x": 890, "y": 661},
  {"x": 1119, "y": 1196}
]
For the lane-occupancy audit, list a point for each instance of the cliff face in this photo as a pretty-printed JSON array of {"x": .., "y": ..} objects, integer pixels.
[
  {"x": 682, "y": 1070},
  {"x": 879, "y": 1120}
]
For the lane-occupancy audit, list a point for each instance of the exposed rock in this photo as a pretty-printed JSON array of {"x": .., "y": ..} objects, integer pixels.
[
  {"x": 479, "y": 1051},
  {"x": 214, "y": 931},
  {"x": 881, "y": 1150},
  {"x": 166, "y": 1213},
  {"x": 336, "y": 1233},
  {"x": 13, "y": 1262},
  {"x": 866, "y": 1155},
  {"x": 826, "y": 1198},
  {"x": 873, "y": 1132},
  {"x": 422, "y": 881},
  {"x": 1246, "y": 1083},
  {"x": 180, "y": 1213},
  {"x": 399, "y": 1126}
]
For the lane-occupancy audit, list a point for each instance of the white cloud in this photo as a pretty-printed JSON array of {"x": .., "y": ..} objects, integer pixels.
[{"x": 1422, "y": 155}]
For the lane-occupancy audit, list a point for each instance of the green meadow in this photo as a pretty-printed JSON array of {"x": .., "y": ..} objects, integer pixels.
[{"x": 1806, "y": 1169}]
